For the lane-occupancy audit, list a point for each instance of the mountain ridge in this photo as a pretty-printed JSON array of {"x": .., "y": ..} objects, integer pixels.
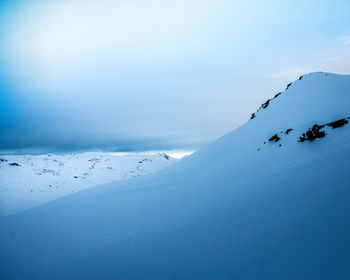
[{"x": 52, "y": 176}]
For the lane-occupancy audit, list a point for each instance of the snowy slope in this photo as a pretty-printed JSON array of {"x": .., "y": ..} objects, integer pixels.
[
  {"x": 243, "y": 207},
  {"x": 27, "y": 181}
]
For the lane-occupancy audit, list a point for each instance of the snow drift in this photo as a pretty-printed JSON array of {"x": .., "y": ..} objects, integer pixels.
[{"x": 258, "y": 203}]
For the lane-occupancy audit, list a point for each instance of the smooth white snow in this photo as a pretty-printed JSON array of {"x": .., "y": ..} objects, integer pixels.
[{"x": 241, "y": 208}]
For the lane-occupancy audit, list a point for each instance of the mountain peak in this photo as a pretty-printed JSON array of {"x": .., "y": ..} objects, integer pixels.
[{"x": 313, "y": 78}]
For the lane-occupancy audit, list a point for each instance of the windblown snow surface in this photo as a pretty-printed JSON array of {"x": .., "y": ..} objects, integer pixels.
[
  {"x": 236, "y": 209},
  {"x": 27, "y": 181}
]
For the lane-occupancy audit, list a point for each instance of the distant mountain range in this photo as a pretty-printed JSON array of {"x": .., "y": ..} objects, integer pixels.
[{"x": 27, "y": 181}]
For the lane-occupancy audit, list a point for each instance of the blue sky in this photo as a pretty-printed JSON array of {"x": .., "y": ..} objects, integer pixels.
[{"x": 154, "y": 75}]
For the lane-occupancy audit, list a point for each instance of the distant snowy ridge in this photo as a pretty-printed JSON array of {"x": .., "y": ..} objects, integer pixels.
[
  {"x": 27, "y": 181},
  {"x": 269, "y": 200}
]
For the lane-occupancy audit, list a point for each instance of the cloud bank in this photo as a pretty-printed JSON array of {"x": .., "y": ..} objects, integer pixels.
[{"x": 135, "y": 75}]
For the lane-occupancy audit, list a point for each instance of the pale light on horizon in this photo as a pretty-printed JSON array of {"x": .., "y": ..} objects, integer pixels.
[{"x": 172, "y": 153}]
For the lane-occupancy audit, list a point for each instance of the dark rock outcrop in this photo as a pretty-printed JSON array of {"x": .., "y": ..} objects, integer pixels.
[
  {"x": 313, "y": 133},
  {"x": 338, "y": 123},
  {"x": 275, "y": 138}
]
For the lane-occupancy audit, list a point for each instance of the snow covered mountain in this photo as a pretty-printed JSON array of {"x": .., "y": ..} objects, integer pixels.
[
  {"x": 27, "y": 181},
  {"x": 270, "y": 200}
]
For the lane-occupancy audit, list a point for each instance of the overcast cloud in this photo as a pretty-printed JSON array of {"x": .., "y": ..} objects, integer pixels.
[{"x": 154, "y": 75}]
